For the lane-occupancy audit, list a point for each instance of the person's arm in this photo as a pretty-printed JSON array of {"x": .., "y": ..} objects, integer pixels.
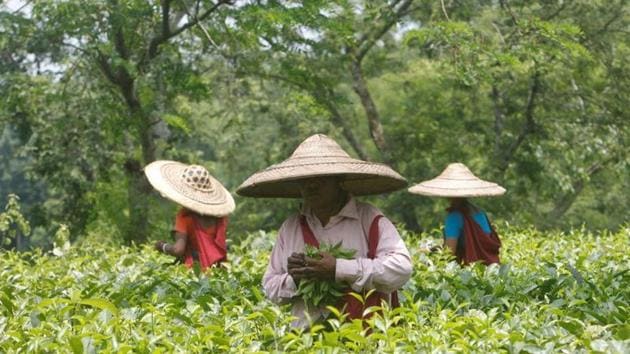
[
  {"x": 178, "y": 249},
  {"x": 451, "y": 243},
  {"x": 388, "y": 271},
  {"x": 278, "y": 285},
  {"x": 453, "y": 225}
]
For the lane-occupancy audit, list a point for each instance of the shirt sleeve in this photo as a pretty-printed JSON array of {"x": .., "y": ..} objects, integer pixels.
[
  {"x": 453, "y": 225},
  {"x": 387, "y": 272},
  {"x": 278, "y": 285}
]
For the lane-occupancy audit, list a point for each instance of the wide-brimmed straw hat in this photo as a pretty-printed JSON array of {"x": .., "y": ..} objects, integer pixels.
[
  {"x": 319, "y": 155},
  {"x": 456, "y": 181},
  {"x": 190, "y": 186}
]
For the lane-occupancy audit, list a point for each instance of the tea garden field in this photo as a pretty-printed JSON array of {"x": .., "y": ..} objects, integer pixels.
[{"x": 553, "y": 293}]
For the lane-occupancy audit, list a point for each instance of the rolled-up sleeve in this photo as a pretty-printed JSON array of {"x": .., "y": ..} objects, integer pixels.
[
  {"x": 278, "y": 285},
  {"x": 388, "y": 271}
]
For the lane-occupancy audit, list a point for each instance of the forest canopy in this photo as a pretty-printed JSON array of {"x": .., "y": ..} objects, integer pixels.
[{"x": 531, "y": 95}]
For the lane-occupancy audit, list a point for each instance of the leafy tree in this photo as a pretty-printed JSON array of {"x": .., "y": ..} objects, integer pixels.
[
  {"x": 120, "y": 57},
  {"x": 531, "y": 95},
  {"x": 524, "y": 71}
]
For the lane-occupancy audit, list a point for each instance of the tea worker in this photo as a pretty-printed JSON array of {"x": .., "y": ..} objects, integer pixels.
[
  {"x": 468, "y": 232},
  {"x": 327, "y": 180},
  {"x": 200, "y": 224}
]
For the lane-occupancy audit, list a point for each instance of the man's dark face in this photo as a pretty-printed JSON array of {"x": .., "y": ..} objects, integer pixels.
[{"x": 320, "y": 192}]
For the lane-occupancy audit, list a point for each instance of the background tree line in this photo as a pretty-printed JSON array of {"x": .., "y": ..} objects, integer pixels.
[{"x": 529, "y": 94}]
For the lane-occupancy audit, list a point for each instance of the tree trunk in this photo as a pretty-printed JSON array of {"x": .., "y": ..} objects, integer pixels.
[
  {"x": 528, "y": 127},
  {"x": 21, "y": 242},
  {"x": 374, "y": 120},
  {"x": 566, "y": 201},
  {"x": 324, "y": 96},
  {"x": 498, "y": 120},
  {"x": 138, "y": 187},
  {"x": 125, "y": 80}
]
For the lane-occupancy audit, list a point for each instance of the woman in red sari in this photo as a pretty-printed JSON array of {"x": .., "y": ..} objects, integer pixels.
[
  {"x": 200, "y": 225},
  {"x": 468, "y": 232}
]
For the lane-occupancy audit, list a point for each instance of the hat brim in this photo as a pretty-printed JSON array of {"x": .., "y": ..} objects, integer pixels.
[
  {"x": 164, "y": 177},
  {"x": 441, "y": 187},
  {"x": 359, "y": 177},
  {"x": 457, "y": 193}
]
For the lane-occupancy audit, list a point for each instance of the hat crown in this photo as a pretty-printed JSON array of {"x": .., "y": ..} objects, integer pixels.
[
  {"x": 198, "y": 178},
  {"x": 319, "y": 145},
  {"x": 457, "y": 171}
]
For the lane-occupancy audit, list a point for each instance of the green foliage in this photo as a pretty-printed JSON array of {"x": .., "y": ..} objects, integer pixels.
[
  {"x": 554, "y": 292},
  {"x": 532, "y": 95},
  {"x": 61, "y": 243},
  {"x": 323, "y": 293},
  {"x": 12, "y": 223}
]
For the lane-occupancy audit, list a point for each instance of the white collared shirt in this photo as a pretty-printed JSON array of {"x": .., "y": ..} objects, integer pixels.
[{"x": 388, "y": 271}]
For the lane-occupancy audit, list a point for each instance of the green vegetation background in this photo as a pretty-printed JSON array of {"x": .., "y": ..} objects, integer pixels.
[
  {"x": 532, "y": 95},
  {"x": 554, "y": 292}
]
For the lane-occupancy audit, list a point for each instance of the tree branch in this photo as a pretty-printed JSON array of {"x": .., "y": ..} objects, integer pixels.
[
  {"x": 163, "y": 37},
  {"x": 166, "y": 9},
  {"x": 374, "y": 120},
  {"x": 365, "y": 43},
  {"x": 444, "y": 10},
  {"x": 566, "y": 201},
  {"x": 604, "y": 28},
  {"x": 324, "y": 98},
  {"x": 368, "y": 39},
  {"x": 555, "y": 13},
  {"x": 119, "y": 44},
  {"x": 103, "y": 63},
  {"x": 498, "y": 119},
  {"x": 506, "y": 6},
  {"x": 194, "y": 21},
  {"x": 528, "y": 126}
]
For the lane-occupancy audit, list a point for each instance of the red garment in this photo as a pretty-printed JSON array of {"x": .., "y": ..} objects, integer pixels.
[
  {"x": 349, "y": 304},
  {"x": 478, "y": 245},
  {"x": 208, "y": 246}
]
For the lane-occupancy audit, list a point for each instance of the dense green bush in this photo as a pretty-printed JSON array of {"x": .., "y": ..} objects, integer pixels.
[{"x": 554, "y": 293}]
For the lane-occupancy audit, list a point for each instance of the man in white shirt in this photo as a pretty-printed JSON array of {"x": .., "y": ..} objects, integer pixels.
[{"x": 324, "y": 176}]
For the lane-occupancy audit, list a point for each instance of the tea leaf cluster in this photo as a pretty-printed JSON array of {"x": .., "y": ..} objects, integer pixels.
[{"x": 317, "y": 292}]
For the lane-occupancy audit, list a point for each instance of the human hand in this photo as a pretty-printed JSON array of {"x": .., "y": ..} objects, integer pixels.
[
  {"x": 323, "y": 268},
  {"x": 159, "y": 246},
  {"x": 294, "y": 262}
]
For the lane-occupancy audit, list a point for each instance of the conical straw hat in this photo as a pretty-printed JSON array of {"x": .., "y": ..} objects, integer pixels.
[
  {"x": 319, "y": 155},
  {"x": 190, "y": 186},
  {"x": 457, "y": 181}
]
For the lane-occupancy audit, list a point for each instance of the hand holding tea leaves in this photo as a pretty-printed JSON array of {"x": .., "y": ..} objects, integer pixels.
[{"x": 316, "y": 275}]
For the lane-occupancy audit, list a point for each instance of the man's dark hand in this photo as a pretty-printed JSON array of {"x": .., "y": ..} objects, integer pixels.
[
  {"x": 295, "y": 263},
  {"x": 323, "y": 268},
  {"x": 158, "y": 245}
]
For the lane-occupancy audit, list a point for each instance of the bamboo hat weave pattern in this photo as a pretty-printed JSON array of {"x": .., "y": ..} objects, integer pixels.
[
  {"x": 456, "y": 181},
  {"x": 190, "y": 186},
  {"x": 316, "y": 156}
]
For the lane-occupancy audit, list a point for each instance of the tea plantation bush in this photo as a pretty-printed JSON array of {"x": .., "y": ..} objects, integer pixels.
[{"x": 554, "y": 293}]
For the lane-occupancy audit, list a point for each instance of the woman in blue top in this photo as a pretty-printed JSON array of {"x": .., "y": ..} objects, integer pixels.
[
  {"x": 454, "y": 221},
  {"x": 467, "y": 230}
]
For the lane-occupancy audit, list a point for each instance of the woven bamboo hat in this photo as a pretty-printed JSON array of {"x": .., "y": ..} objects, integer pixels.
[
  {"x": 190, "y": 186},
  {"x": 319, "y": 155},
  {"x": 457, "y": 181}
]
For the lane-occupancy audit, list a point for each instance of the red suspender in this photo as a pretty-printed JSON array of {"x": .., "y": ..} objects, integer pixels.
[
  {"x": 309, "y": 237},
  {"x": 307, "y": 233},
  {"x": 373, "y": 237}
]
